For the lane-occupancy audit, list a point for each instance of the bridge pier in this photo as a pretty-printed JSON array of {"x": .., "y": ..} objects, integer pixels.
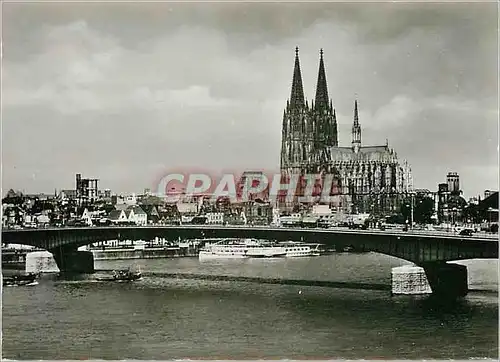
[
  {"x": 73, "y": 261},
  {"x": 447, "y": 280}
]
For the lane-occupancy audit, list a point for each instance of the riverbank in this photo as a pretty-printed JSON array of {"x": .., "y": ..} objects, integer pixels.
[
  {"x": 16, "y": 260},
  {"x": 146, "y": 253}
]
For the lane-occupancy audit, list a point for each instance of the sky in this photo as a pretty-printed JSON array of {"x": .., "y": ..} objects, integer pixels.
[{"x": 125, "y": 92}]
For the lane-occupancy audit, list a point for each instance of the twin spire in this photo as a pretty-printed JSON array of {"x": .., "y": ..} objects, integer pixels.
[
  {"x": 322, "y": 102},
  {"x": 297, "y": 99},
  {"x": 297, "y": 95}
]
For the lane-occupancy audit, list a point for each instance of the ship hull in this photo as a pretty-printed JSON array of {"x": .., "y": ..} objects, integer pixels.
[{"x": 206, "y": 255}]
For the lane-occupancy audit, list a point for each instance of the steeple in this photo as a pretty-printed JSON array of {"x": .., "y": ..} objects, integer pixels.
[
  {"x": 321, "y": 87},
  {"x": 356, "y": 117},
  {"x": 356, "y": 129},
  {"x": 335, "y": 141},
  {"x": 297, "y": 95}
]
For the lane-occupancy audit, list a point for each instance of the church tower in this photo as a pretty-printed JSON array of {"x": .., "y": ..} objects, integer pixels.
[
  {"x": 324, "y": 115},
  {"x": 356, "y": 130},
  {"x": 293, "y": 138}
]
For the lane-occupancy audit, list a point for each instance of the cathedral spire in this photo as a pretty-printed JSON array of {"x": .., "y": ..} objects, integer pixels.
[
  {"x": 335, "y": 140},
  {"x": 321, "y": 87},
  {"x": 356, "y": 129},
  {"x": 297, "y": 95},
  {"x": 356, "y": 117}
]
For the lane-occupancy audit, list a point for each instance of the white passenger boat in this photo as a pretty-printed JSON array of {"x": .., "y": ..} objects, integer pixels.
[
  {"x": 297, "y": 249},
  {"x": 237, "y": 249}
]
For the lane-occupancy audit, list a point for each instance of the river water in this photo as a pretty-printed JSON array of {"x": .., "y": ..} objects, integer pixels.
[{"x": 166, "y": 318}]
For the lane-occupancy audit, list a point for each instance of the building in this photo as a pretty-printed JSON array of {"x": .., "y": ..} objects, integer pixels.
[
  {"x": 474, "y": 200},
  {"x": 453, "y": 181},
  {"x": 488, "y": 193},
  {"x": 215, "y": 217},
  {"x": 153, "y": 216},
  {"x": 132, "y": 214},
  {"x": 105, "y": 194},
  {"x": 124, "y": 199},
  {"x": 118, "y": 216},
  {"x": 258, "y": 212},
  {"x": 67, "y": 195},
  {"x": 87, "y": 190},
  {"x": 252, "y": 178},
  {"x": 450, "y": 203},
  {"x": 367, "y": 178},
  {"x": 489, "y": 208},
  {"x": 137, "y": 215}
]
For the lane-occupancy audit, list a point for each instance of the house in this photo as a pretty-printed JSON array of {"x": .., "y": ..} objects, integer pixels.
[
  {"x": 137, "y": 215},
  {"x": 187, "y": 208},
  {"x": 42, "y": 219},
  {"x": 129, "y": 214},
  {"x": 87, "y": 217},
  {"x": 258, "y": 212},
  {"x": 152, "y": 213},
  {"x": 127, "y": 199},
  {"x": 215, "y": 217},
  {"x": 67, "y": 195},
  {"x": 130, "y": 199},
  {"x": 121, "y": 207},
  {"x": 118, "y": 216},
  {"x": 13, "y": 215}
]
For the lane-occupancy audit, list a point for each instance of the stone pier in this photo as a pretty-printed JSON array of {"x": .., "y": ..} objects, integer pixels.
[
  {"x": 409, "y": 279},
  {"x": 447, "y": 280},
  {"x": 442, "y": 279},
  {"x": 74, "y": 261},
  {"x": 40, "y": 262}
]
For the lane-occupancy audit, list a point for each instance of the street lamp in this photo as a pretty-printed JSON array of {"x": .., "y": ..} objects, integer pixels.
[
  {"x": 412, "y": 206},
  {"x": 490, "y": 209},
  {"x": 453, "y": 215}
]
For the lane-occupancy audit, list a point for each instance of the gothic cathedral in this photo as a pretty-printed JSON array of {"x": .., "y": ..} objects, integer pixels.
[{"x": 369, "y": 179}]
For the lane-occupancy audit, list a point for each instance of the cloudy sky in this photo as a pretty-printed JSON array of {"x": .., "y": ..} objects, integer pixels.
[{"x": 126, "y": 91}]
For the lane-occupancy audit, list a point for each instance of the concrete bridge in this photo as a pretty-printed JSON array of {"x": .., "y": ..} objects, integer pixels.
[{"x": 431, "y": 251}]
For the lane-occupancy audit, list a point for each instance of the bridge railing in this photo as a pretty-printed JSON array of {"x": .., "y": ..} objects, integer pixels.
[{"x": 426, "y": 233}]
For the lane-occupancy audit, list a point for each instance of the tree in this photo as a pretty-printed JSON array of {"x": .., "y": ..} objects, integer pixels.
[
  {"x": 14, "y": 198},
  {"x": 40, "y": 206},
  {"x": 472, "y": 213},
  {"x": 423, "y": 209}
]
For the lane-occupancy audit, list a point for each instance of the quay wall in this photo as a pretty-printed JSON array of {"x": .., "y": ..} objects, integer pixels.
[
  {"x": 148, "y": 253},
  {"x": 13, "y": 259},
  {"x": 42, "y": 261}
]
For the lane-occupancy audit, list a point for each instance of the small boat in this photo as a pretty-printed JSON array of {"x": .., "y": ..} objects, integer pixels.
[
  {"x": 122, "y": 276},
  {"x": 20, "y": 280}
]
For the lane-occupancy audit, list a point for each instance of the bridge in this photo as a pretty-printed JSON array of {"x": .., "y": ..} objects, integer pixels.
[{"x": 430, "y": 251}]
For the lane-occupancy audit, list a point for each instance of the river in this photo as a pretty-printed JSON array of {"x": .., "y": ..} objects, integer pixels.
[{"x": 166, "y": 318}]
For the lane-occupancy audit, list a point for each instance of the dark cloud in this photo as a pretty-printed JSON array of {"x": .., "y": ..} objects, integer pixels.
[{"x": 106, "y": 88}]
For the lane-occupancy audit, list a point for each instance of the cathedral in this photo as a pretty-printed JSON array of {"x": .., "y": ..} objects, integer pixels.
[{"x": 368, "y": 179}]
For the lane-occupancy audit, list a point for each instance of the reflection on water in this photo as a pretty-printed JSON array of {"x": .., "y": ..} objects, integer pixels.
[{"x": 165, "y": 318}]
